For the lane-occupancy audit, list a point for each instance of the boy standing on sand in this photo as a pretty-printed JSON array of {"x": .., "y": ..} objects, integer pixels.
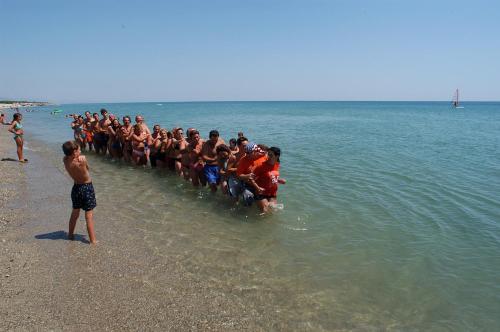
[{"x": 82, "y": 194}]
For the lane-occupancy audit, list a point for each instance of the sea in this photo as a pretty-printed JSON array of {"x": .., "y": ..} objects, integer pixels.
[{"x": 389, "y": 220}]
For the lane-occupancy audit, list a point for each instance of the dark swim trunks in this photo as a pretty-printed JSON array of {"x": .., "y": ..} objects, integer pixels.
[{"x": 83, "y": 196}]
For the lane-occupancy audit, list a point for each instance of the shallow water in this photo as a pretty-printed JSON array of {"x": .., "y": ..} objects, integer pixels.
[{"x": 390, "y": 219}]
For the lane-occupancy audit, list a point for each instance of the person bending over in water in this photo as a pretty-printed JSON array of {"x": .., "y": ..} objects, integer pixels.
[
  {"x": 82, "y": 194},
  {"x": 267, "y": 177},
  {"x": 17, "y": 129},
  {"x": 209, "y": 155}
]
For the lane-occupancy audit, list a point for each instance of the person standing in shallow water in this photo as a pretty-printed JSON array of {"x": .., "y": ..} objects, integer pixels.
[
  {"x": 17, "y": 129},
  {"x": 82, "y": 193},
  {"x": 209, "y": 155}
]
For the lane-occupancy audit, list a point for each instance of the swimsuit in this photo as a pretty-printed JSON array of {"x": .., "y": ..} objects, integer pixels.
[
  {"x": 139, "y": 153},
  {"x": 17, "y": 127},
  {"x": 212, "y": 174},
  {"x": 83, "y": 196}
]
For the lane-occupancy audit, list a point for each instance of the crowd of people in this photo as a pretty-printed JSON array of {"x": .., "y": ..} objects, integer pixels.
[{"x": 243, "y": 170}]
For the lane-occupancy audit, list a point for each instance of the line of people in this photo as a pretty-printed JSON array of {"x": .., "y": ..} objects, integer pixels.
[{"x": 243, "y": 170}]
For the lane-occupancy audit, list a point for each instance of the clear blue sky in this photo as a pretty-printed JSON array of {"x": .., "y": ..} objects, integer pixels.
[{"x": 99, "y": 50}]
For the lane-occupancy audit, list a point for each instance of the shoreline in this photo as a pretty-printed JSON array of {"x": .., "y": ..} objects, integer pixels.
[
  {"x": 14, "y": 105},
  {"x": 48, "y": 282}
]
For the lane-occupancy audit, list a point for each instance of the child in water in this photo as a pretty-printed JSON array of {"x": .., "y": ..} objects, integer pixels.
[{"x": 82, "y": 194}]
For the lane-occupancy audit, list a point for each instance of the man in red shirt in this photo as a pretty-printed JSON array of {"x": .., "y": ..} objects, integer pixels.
[
  {"x": 266, "y": 180},
  {"x": 255, "y": 156}
]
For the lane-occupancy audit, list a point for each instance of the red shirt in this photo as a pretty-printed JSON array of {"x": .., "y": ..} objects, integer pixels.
[
  {"x": 247, "y": 165},
  {"x": 266, "y": 176}
]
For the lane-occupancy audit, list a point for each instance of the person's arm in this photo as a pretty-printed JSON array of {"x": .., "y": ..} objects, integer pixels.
[
  {"x": 11, "y": 128},
  {"x": 197, "y": 150},
  {"x": 231, "y": 165}
]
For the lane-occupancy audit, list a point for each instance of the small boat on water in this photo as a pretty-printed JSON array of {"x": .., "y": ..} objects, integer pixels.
[{"x": 455, "y": 102}]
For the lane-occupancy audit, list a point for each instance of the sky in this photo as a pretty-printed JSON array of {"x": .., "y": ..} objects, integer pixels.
[{"x": 210, "y": 50}]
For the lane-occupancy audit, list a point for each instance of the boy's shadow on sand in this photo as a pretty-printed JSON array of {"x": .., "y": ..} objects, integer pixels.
[{"x": 61, "y": 235}]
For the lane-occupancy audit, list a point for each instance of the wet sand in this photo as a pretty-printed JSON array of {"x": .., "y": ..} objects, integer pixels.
[{"x": 50, "y": 283}]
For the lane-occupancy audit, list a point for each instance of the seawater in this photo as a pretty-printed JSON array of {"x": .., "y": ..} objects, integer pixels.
[{"x": 390, "y": 214}]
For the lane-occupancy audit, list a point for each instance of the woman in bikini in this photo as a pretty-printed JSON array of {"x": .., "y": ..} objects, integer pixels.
[
  {"x": 17, "y": 129},
  {"x": 138, "y": 138},
  {"x": 162, "y": 146}
]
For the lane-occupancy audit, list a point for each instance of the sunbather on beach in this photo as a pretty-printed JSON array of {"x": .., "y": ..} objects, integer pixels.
[{"x": 82, "y": 194}]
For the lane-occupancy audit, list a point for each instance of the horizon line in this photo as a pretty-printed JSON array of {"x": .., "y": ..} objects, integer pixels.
[{"x": 272, "y": 101}]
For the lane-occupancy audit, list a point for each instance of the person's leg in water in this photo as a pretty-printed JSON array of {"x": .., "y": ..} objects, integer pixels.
[
  {"x": 89, "y": 218},
  {"x": 72, "y": 223}
]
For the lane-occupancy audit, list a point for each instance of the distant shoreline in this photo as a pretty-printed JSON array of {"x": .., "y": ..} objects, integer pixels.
[{"x": 6, "y": 104}]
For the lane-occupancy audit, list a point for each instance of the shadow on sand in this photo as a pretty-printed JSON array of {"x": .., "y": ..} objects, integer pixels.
[
  {"x": 12, "y": 159},
  {"x": 61, "y": 235}
]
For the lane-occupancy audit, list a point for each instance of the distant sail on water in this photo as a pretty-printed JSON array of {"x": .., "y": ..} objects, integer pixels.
[{"x": 455, "y": 102}]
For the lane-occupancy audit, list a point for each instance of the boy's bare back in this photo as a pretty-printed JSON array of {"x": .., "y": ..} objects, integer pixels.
[{"x": 77, "y": 168}]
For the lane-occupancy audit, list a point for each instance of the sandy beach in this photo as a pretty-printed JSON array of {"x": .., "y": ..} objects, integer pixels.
[{"x": 50, "y": 283}]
